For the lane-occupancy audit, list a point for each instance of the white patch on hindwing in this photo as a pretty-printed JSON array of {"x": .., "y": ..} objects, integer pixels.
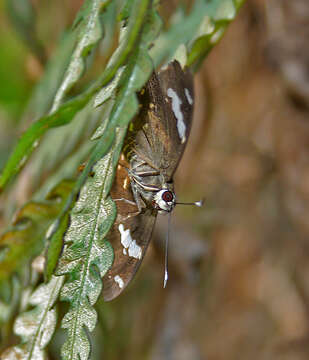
[
  {"x": 130, "y": 246},
  {"x": 119, "y": 281}
]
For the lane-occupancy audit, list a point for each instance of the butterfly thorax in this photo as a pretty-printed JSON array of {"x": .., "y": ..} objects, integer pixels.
[{"x": 150, "y": 187}]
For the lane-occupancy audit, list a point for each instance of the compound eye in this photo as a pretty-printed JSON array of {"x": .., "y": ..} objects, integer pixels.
[{"x": 167, "y": 196}]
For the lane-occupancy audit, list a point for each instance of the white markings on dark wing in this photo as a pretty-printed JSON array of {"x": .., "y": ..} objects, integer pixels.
[
  {"x": 130, "y": 246},
  {"x": 188, "y": 96},
  {"x": 135, "y": 250},
  {"x": 176, "y": 103},
  {"x": 119, "y": 281}
]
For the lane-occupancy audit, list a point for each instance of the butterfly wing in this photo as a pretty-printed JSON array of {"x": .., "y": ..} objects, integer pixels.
[
  {"x": 129, "y": 237},
  {"x": 166, "y": 121},
  {"x": 169, "y": 100}
]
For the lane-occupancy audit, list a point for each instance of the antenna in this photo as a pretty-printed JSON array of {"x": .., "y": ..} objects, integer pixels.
[
  {"x": 166, "y": 250},
  {"x": 199, "y": 203}
]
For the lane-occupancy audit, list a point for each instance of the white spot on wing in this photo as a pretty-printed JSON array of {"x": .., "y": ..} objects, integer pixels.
[
  {"x": 129, "y": 244},
  {"x": 188, "y": 96},
  {"x": 119, "y": 281},
  {"x": 125, "y": 236},
  {"x": 135, "y": 250},
  {"x": 176, "y": 102}
]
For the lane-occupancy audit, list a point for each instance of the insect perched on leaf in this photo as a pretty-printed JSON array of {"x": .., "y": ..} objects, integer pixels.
[{"x": 144, "y": 180}]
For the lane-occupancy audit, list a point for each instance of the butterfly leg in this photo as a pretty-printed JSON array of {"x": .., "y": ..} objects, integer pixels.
[
  {"x": 131, "y": 214},
  {"x": 133, "y": 173},
  {"x": 138, "y": 180},
  {"x": 126, "y": 200},
  {"x": 147, "y": 173},
  {"x": 137, "y": 197}
]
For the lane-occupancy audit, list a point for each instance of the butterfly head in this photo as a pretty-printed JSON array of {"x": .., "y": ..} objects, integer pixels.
[{"x": 164, "y": 200}]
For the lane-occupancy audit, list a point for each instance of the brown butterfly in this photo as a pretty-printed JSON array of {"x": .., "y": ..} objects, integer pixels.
[{"x": 144, "y": 180}]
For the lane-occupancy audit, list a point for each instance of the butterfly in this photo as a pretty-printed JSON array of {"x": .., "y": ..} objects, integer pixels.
[{"x": 143, "y": 185}]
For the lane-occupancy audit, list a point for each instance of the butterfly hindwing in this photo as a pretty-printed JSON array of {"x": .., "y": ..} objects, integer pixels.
[{"x": 129, "y": 237}]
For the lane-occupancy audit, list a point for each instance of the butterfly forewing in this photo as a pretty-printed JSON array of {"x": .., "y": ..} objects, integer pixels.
[{"x": 168, "y": 116}]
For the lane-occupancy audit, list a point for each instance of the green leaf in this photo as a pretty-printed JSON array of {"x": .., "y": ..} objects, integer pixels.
[
  {"x": 54, "y": 249},
  {"x": 25, "y": 239},
  {"x": 205, "y": 24},
  {"x": 211, "y": 29},
  {"x": 67, "y": 111},
  {"x": 169, "y": 41},
  {"x": 86, "y": 256},
  {"x": 126, "y": 10},
  {"x": 36, "y": 327},
  {"x": 89, "y": 33},
  {"x": 107, "y": 91},
  {"x": 64, "y": 149}
]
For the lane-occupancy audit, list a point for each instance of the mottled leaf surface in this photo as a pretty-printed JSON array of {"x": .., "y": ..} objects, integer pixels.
[
  {"x": 36, "y": 326},
  {"x": 86, "y": 257}
]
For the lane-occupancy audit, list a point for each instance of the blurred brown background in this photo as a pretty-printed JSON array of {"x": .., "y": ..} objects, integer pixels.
[{"x": 239, "y": 271}]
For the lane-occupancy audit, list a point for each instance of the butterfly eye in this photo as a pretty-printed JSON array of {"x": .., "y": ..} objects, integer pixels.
[{"x": 167, "y": 196}]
